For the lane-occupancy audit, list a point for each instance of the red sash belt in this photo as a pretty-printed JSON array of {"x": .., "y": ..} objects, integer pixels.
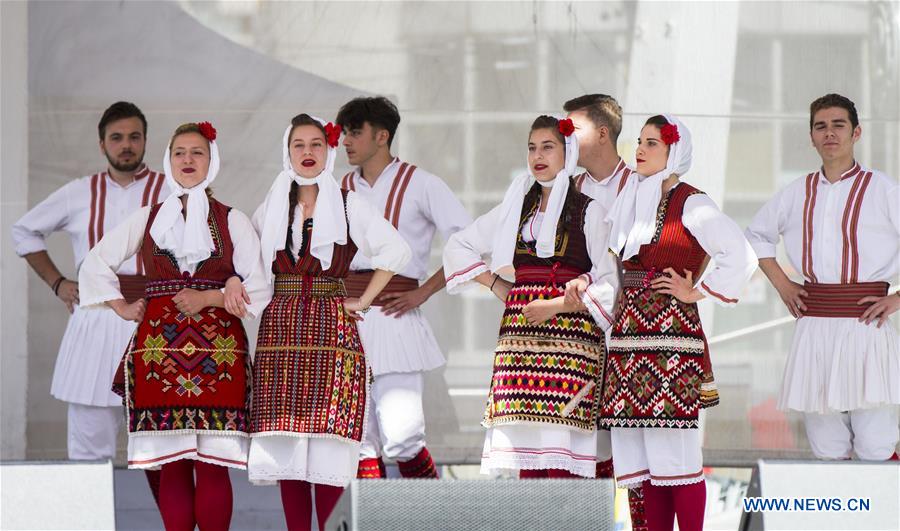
[
  {"x": 556, "y": 274},
  {"x": 357, "y": 281},
  {"x": 132, "y": 287},
  {"x": 840, "y": 300}
]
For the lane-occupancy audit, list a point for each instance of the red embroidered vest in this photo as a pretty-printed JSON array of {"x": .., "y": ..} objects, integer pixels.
[
  {"x": 161, "y": 264},
  {"x": 570, "y": 257},
  {"x": 672, "y": 245},
  {"x": 307, "y": 264}
]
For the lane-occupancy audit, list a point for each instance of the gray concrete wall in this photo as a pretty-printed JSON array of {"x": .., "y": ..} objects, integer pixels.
[{"x": 13, "y": 195}]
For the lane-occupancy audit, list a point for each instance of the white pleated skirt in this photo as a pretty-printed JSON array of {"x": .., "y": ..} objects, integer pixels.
[
  {"x": 399, "y": 344},
  {"x": 152, "y": 450},
  {"x": 322, "y": 460},
  {"x": 92, "y": 347},
  {"x": 840, "y": 364},
  {"x": 536, "y": 446}
]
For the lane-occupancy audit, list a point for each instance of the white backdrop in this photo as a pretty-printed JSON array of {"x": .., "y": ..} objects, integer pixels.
[{"x": 468, "y": 78}]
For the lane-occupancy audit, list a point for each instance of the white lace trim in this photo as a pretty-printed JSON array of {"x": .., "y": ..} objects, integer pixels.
[
  {"x": 520, "y": 462},
  {"x": 632, "y": 483},
  {"x": 151, "y": 433},
  {"x": 679, "y": 481},
  {"x": 308, "y": 435},
  {"x": 272, "y": 478}
]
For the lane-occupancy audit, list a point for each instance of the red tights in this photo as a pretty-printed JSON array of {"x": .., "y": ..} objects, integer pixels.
[
  {"x": 184, "y": 505},
  {"x": 553, "y": 473},
  {"x": 685, "y": 502},
  {"x": 296, "y": 497}
]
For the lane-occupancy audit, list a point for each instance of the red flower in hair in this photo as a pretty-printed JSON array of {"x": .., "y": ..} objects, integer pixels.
[
  {"x": 333, "y": 134},
  {"x": 669, "y": 134},
  {"x": 566, "y": 127},
  {"x": 207, "y": 130}
]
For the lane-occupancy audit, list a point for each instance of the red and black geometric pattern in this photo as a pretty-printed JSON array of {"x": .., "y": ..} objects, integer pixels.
[
  {"x": 192, "y": 373},
  {"x": 549, "y": 372},
  {"x": 657, "y": 371},
  {"x": 310, "y": 375},
  {"x": 188, "y": 372},
  {"x": 546, "y": 372}
]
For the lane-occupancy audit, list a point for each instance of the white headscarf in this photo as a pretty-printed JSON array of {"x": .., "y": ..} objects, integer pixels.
[
  {"x": 329, "y": 222},
  {"x": 633, "y": 215},
  {"x": 189, "y": 239},
  {"x": 511, "y": 208}
]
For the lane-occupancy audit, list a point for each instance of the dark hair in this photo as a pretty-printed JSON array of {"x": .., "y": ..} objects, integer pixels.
[
  {"x": 833, "y": 100},
  {"x": 379, "y": 111},
  {"x": 119, "y": 111},
  {"x": 297, "y": 121},
  {"x": 657, "y": 120},
  {"x": 305, "y": 119},
  {"x": 547, "y": 122},
  {"x": 601, "y": 109}
]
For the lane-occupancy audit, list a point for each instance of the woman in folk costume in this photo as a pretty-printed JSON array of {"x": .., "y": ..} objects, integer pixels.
[
  {"x": 187, "y": 371},
  {"x": 542, "y": 408},
  {"x": 658, "y": 374},
  {"x": 310, "y": 378}
]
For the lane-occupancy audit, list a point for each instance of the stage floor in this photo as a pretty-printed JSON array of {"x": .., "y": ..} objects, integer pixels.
[{"x": 259, "y": 508}]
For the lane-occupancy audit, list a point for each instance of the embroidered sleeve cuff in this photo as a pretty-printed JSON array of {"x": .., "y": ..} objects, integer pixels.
[
  {"x": 602, "y": 317},
  {"x": 716, "y": 296},
  {"x": 458, "y": 281}
]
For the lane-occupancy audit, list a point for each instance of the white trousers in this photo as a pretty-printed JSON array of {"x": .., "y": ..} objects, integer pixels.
[
  {"x": 92, "y": 431},
  {"x": 871, "y": 433},
  {"x": 604, "y": 445},
  {"x": 396, "y": 424},
  {"x": 665, "y": 456}
]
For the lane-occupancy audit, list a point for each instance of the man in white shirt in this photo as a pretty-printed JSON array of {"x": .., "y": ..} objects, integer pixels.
[
  {"x": 399, "y": 343},
  {"x": 841, "y": 230},
  {"x": 94, "y": 342},
  {"x": 598, "y": 123}
]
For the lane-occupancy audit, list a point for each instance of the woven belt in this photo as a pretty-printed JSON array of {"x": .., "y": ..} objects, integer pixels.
[
  {"x": 840, "y": 300},
  {"x": 639, "y": 278},
  {"x": 163, "y": 288},
  {"x": 308, "y": 286}
]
